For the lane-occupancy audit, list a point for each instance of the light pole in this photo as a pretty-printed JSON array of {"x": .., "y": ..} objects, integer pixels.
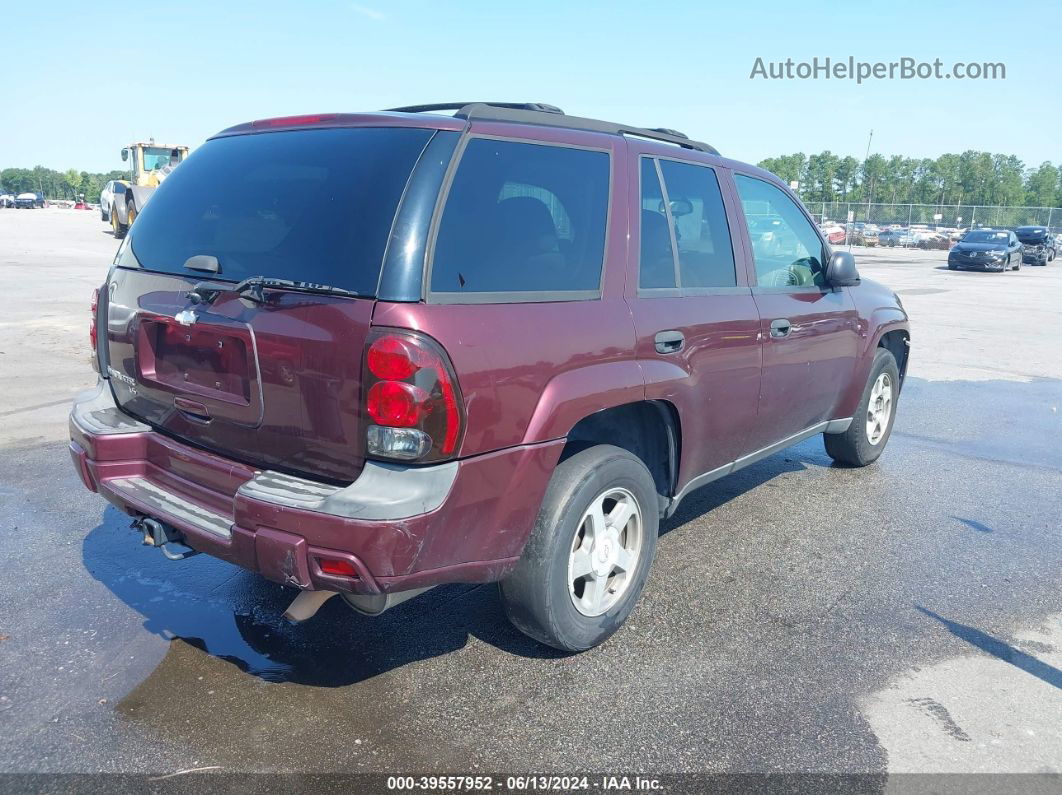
[{"x": 871, "y": 191}]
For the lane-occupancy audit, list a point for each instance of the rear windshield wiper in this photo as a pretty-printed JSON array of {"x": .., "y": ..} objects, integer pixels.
[{"x": 253, "y": 289}]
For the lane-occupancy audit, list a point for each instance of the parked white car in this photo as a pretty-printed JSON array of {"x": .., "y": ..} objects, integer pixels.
[{"x": 114, "y": 188}]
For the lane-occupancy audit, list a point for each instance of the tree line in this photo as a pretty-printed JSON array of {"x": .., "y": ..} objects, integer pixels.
[
  {"x": 979, "y": 178},
  {"x": 56, "y": 184},
  {"x": 970, "y": 178}
]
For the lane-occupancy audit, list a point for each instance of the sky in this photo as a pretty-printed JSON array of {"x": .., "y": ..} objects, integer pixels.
[{"x": 81, "y": 80}]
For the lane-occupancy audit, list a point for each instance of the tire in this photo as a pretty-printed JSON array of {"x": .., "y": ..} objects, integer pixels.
[
  {"x": 855, "y": 447},
  {"x": 1018, "y": 266},
  {"x": 540, "y": 595},
  {"x": 117, "y": 227}
]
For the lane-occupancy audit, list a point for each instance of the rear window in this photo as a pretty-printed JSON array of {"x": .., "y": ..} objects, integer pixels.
[
  {"x": 523, "y": 218},
  {"x": 308, "y": 205}
]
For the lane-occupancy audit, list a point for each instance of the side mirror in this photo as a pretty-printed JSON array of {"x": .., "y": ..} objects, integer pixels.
[
  {"x": 841, "y": 270},
  {"x": 679, "y": 207},
  {"x": 125, "y": 155}
]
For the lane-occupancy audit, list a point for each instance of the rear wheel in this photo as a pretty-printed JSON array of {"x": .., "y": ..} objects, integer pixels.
[
  {"x": 866, "y": 437},
  {"x": 589, "y": 554},
  {"x": 117, "y": 227}
]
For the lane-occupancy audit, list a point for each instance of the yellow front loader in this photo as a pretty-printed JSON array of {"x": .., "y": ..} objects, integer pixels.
[{"x": 149, "y": 164}]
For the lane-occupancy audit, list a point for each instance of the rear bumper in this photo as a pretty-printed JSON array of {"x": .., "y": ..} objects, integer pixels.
[{"x": 400, "y": 527}]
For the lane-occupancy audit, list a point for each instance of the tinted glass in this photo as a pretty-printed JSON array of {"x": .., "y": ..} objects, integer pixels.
[
  {"x": 786, "y": 249},
  {"x": 308, "y": 205},
  {"x": 706, "y": 257},
  {"x": 523, "y": 218},
  {"x": 657, "y": 264}
]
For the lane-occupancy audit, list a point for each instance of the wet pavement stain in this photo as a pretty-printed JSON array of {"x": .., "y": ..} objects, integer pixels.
[{"x": 940, "y": 713}]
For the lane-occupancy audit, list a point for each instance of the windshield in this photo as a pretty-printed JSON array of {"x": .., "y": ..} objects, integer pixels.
[
  {"x": 1032, "y": 235},
  {"x": 308, "y": 205},
  {"x": 982, "y": 236},
  {"x": 155, "y": 157}
]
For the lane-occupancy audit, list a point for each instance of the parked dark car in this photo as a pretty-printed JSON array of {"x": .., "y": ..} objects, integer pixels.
[
  {"x": 987, "y": 250},
  {"x": 1040, "y": 245},
  {"x": 369, "y": 354},
  {"x": 28, "y": 201}
]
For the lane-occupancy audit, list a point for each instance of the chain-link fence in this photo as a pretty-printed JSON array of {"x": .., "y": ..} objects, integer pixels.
[{"x": 962, "y": 216}]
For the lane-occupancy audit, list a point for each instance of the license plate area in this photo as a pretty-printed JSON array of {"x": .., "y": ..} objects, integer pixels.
[{"x": 212, "y": 362}]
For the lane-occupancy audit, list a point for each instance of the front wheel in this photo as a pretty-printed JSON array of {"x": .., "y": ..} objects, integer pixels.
[
  {"x": 866, "y": 437},
  {"x": 589, "y": 553}
]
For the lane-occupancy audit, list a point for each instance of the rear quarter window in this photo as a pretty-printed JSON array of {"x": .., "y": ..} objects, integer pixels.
[
  {"x": 307, "y": 205},
  {"x": 522, "y": 221}
]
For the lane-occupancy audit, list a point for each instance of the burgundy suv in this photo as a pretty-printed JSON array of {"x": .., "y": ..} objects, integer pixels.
[{"x": 369, "y": 354}]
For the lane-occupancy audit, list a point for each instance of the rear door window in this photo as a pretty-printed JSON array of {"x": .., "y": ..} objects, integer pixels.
[
  {"x": 685, "y": 237},
  {"x": 522, "y": 221},
  {"x": 306, "y": 205}
]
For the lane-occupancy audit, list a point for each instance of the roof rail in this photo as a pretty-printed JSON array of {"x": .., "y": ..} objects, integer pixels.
[
  {"x": 551, "y": 115},
  {"x": 460, "y": 106}
]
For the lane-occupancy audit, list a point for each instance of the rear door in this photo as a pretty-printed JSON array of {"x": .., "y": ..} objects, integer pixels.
[
  {"x": 810, "y": 331},
  {"x": 693, "y": 310},
  {"x": 274, "y": 380}
]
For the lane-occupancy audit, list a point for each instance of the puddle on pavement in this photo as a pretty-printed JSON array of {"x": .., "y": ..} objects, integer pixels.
[{"x": 235, "y": 616}]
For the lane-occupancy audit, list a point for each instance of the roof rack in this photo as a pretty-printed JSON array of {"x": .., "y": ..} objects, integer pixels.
[
  {"x": 551, "y": 115},
  {"x": 459, "y": 106}
]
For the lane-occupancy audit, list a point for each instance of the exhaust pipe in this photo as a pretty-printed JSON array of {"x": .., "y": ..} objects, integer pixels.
[
  {"x": 306, "y": 605},
  {"x": 376, "y": 603}
]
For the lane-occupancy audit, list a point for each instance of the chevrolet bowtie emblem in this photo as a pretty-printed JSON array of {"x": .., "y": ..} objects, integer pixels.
[{"x": 186, "y": 317}]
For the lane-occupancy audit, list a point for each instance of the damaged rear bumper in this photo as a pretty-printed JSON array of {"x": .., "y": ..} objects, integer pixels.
[{"x": 399, "y": 527}]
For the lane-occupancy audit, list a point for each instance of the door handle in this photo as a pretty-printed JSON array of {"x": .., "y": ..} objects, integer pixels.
[
  {"x": 190, "y": 409},
  {"x": 780, "y": 328},
  {"x": 669, "y": 341}
]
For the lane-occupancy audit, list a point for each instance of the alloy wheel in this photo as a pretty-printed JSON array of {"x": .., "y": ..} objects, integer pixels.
[
  {"x": 605, "y": 552},
  {"x": 879, "y": 409}
]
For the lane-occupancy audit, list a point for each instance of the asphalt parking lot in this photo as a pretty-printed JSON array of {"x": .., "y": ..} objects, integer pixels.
[{"x": 800, "y": 617}]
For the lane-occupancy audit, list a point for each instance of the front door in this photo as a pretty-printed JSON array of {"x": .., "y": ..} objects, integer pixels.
[{"x": 810, "y": 331}]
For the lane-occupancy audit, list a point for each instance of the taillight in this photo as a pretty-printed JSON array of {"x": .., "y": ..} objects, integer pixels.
[
  {"x": 92, "y": 323},
  {"x": 411, "y": 397},
  {"x": 337, "y": 567}
]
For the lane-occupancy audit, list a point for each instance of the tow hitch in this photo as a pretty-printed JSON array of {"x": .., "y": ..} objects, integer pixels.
[{"x": 163, "y": 536}]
